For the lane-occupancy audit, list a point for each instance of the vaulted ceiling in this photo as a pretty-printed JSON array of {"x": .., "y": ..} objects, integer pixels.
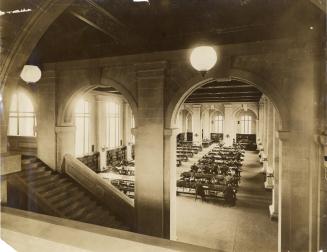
[
  {"x": 227, "y": 91},
  {"x": 99, "y": 28}
]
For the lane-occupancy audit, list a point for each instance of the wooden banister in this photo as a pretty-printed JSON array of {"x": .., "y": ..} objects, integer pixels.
[{"x": 116, "y": 201}]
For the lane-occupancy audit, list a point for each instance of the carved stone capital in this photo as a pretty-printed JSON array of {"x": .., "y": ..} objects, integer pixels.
[
  {"x": 150, "y": 70},
  {"x": 170, "y": 131},
  {"x": 283, "y": 135}
]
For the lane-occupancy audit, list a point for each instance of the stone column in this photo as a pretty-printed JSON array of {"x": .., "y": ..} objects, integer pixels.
[
  {"x": 273, "y": 208},
  {"x": 170, "y": 184},
  {"x": 65, "y": 136},
  {"x": 265, "y": 134},
  {"x": 229, "y": 127},
  {"x": 268, "y": 165},
  {"x": 46, "y": 119},
  {"x": 149, "y": 150},
  {"x": 206, "y": 124},
  {"x": 323, "y": 192},
  {"x": 260, "y": 134},
  {"x": 101, "y": 130},
  {"x": 122, "y": 140},
  {"x": 128, "y": 132},
  {"x": 196, "y": 124},
  {"x": 297, "y": 192}
]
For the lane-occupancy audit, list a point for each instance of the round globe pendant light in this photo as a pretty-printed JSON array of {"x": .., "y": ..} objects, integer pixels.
[
  {"x": 31, "y": 73},
  {"x": 203, "y": 58}
]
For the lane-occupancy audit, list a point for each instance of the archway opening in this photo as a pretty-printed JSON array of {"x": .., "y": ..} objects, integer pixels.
[
  {"x": 104, "y": 139},
  {"x": 227, "y": 176}
]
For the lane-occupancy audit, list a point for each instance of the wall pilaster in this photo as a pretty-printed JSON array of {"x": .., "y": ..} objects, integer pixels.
[
  {"x": 46, "y": 119},
  {"x": 196, "y": 124},
  {"x": 65, "y": 138},
  {"x": 273, "y": 208},
  {"x": 229, "y": 127},
  {"x": 149, "y": 149}
]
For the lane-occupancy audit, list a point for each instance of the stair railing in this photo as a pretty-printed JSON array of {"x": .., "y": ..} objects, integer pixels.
[{"x": 109, "y": 195}]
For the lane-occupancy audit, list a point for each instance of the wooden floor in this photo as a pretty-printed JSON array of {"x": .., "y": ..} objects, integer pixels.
[{"x": 244, "y": 227}]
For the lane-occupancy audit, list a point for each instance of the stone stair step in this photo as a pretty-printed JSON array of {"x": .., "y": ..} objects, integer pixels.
[
  {"x": 64, "y": 194},
  {"x": 70, "y": 203},
  {"x": 53, "y": 185},
  {"x": 104, "y": 218},
  {"x": 32, "y": 165},
  {"x": 78, "y": 204},
  {"x": 44, "y": 180},
  {"x": 91, "y": 216},
  {"x": 28, "y": 160},
  {"x": 57, "y": 190},
  {"x": 33, "y": 171},
  {"x": 80, "y": 213},
  {"x": 35, "y": 176}
]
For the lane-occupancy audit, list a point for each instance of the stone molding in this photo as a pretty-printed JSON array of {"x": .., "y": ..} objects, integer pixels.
[
  {"x": 170, "y": 131},
  {"x": 63, "y": 129},
  {"x": 283, "y": 135},
  {"x": 322, "y": 139},
  {"x": 150, "y": 70},
  {"x": 134, "y": 131}
]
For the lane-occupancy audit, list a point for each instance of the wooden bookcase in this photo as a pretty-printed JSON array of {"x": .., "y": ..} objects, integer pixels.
[
  {"x": 116, "y": 156},
  {"x": 92, "y": 161}
]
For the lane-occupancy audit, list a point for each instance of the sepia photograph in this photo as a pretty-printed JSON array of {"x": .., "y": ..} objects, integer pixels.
[{"x": 163, "y": 125}]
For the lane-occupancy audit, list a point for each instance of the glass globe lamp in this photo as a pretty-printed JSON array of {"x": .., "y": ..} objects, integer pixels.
[
  {"x": 31, "y": 74},
  {"x": 203, "y": 58}
]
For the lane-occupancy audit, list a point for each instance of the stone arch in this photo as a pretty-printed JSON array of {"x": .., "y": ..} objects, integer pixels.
[
  {"x": 36, "y": 25},
  {"x": 239, "y": 109},
  {"x": 215, "y": 111},
  {"x": 42, "y": 16},
  {"x": 188, "y": 110},
  {"x": 234, "y": 74},
  {"x": 66, "y": 116},
  {"x": 192, "y": 84}
]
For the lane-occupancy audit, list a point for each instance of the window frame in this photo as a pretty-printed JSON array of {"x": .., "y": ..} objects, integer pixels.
[
  {"x": 17, "y": 115},
  {"x": 86, "y": 118},
  {"x": 113, "y": 120},
  {"x": 218, "y": 123},
  {"x": 246, "y": 124}
]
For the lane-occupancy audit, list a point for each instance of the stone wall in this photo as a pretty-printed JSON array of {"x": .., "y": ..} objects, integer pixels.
[{"x": 156, "y": 85}]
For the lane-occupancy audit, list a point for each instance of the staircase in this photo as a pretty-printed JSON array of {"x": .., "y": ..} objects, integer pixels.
[{"x": 57, "y": 194}]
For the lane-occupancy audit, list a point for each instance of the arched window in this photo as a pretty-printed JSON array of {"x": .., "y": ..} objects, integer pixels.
[
  {"x": 82, "y": 124},
  {"x": 246, "y": 124},
  {"x": 22, "y": 121},
  {"x": 218, "y": 123},
  {"x": 113, "y": 124}
]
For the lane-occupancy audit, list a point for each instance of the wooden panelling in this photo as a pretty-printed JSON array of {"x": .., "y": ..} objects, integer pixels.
[{"x": 22, "y": 144}]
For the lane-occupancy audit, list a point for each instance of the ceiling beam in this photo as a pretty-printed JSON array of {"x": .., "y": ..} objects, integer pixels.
[
  {"x": 94, "y": 25},
  {"x": 221, "y": 101},
  {"x": 321, "y": 4},
  {"x": 223, "y": 97},
  {"x": 225, "y": 86},
  {"x": 226, "y": 90},
  {"x": 99, "y": 18},
  {"x": 200, "y": 94}
]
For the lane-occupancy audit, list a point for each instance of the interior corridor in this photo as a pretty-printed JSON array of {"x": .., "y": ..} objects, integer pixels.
[{"x": 244, "y": 227}]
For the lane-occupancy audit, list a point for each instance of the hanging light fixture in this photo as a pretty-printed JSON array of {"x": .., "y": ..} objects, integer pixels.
[
  {"x": 31, "y": 73},
  {"x": 203, "y": 58}
]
